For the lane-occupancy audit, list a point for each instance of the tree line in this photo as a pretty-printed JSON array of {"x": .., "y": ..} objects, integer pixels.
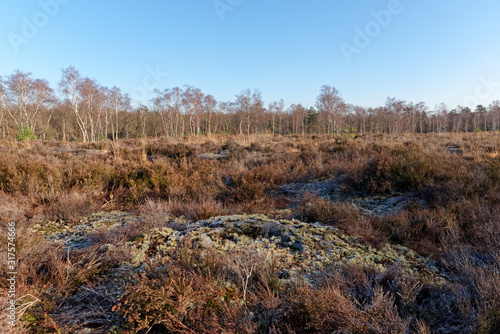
[{"x": 80, "y": 109}]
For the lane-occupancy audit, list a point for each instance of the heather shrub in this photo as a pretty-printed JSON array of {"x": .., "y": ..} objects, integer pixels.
[
  {"x": 237, "y": 153},
  {"x": 173, "y": 151},
  {"x": 493, "y": 171},
  {"x": 70, "y": 206},
  {"x": 255, "y": 147},
  {"x": 479, "y": 273},
  {"x": 356, "y": 299},
  {"x": 398, "y": 170},
  {"x": 11, "y": 209},
  {"x": 242, "y": 188},
  {"x": 343, "y": 216},
  {"x": 406, "y": 169},
  {"x": 453, "y": 218},
  {"x": 231, "y": 145},
  {"x": 177, "y": 299},
  {"x": 196, "y": 210},
  {"x": 417, "y": 228}
]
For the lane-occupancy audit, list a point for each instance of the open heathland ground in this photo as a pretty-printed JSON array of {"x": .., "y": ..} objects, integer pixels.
[{"x": 255, "y": 234}]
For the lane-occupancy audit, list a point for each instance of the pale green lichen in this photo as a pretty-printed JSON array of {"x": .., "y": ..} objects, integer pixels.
[{"x": 298, "y": 247}]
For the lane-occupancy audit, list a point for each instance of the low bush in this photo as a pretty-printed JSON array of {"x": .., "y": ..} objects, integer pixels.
[
  {"x": 70, "y": 206},
  {"x": 494, "y": 171},
  {"x": 453, "y": 217},
  {"x": 344, "y": 216},
  {"x": 25, "y": 134}
]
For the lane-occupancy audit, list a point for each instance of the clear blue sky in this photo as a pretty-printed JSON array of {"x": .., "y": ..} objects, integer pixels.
[{"x": 428, "y": 50}]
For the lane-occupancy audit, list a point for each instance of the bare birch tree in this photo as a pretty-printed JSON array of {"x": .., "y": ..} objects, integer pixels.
[
  {"x": 70, "y": 86},
  {"x": 26, "y": 98},
  {"x": 331, "y": 104}
]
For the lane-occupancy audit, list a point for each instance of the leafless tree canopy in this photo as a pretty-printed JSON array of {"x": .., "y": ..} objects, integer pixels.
[{"x": 83, "y": 110}]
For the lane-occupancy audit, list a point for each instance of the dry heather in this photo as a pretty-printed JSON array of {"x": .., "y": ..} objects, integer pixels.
[{"x": 152, "y": 237}]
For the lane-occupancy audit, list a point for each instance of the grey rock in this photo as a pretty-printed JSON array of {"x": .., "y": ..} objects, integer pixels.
[
  {"x": 286, "y": 236},
  {"x": 298, "y": 246},
  {"x": 275, "y": 229},
  {"x": 205, "y": 240}
]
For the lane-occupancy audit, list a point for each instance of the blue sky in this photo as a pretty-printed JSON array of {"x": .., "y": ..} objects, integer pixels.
[{"x": 432, "y": 51}]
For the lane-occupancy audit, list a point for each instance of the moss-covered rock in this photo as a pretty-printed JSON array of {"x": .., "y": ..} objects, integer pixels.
[{"x": 299, "y": 248}]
